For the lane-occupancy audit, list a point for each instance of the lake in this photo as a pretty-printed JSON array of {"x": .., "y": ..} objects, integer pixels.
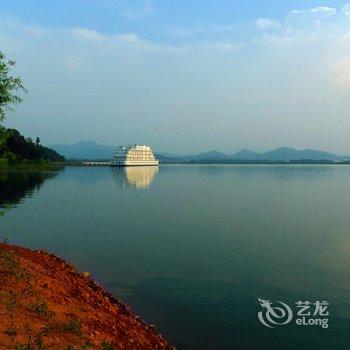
[{"x": 192, "y": 247}]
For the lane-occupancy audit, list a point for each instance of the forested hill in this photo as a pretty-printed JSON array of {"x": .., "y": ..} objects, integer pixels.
[{"x": 15, "y": 148}]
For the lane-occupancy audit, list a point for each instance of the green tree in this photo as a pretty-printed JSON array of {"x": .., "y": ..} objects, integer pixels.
[{"x": 9, "y": 86}]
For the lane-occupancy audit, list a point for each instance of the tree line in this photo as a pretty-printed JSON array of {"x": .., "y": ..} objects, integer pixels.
[{"x": 14, "y": 147}]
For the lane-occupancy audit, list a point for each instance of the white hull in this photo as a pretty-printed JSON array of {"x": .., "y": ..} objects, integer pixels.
[
  {"x": 133, "y": 164},
  {"x": 130, "y": 163}
]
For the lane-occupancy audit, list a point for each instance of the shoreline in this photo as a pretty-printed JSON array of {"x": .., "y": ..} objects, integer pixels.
[
  {"x": 46, "y": 303},
  {"x": 103, "y": 164}
]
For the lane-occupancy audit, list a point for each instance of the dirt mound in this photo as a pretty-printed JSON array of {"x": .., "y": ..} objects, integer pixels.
[{"x": 46, "y": 304}]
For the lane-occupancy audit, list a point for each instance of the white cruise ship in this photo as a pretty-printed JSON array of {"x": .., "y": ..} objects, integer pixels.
[{"x": 134, "y": 156}]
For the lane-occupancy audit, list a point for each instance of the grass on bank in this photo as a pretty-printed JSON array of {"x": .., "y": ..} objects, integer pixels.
[{"x": 11, "y": 300}]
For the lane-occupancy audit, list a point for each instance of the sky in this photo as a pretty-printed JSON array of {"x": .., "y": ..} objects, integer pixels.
[{"x": 182, "y": 76}]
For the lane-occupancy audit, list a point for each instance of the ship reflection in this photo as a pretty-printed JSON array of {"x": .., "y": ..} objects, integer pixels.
[{"x": 135, "y": 176}]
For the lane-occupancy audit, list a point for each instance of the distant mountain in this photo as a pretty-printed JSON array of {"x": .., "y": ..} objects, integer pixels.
[
  {"x": 246, "y": 155},
  {"x": 170, "y": 155},
  {"x": 211, "y": 155},
  {"x": 85, "y": 150},
  {"x": 92, "y": 150},
  {"x": 282, "y": 154},
  {"x": 287, "y": 154}
]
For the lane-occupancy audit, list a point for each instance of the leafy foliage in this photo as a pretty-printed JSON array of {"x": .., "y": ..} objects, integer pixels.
[
  {"x": 15, "y": 148},
  {"x": 9, "y": 85}
]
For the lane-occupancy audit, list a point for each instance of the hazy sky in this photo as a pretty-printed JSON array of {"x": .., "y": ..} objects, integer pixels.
[{"x": 183, "y": 76}]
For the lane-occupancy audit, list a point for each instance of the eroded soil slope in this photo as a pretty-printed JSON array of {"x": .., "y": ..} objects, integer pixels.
[{"x": 46, "y": 304}]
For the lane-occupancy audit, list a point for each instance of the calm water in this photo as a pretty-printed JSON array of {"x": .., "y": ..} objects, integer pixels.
[{"x": 191, "y": 248}]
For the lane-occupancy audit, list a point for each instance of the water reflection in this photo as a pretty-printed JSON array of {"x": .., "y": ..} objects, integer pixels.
[
  {"x": 14, "y": 186},
  {"x": 136, "y": 176},
  {"x": 194, "y": 251}
]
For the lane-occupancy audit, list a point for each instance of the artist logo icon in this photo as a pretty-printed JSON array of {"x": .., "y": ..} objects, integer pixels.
[{"x": 274, "y": 315}]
